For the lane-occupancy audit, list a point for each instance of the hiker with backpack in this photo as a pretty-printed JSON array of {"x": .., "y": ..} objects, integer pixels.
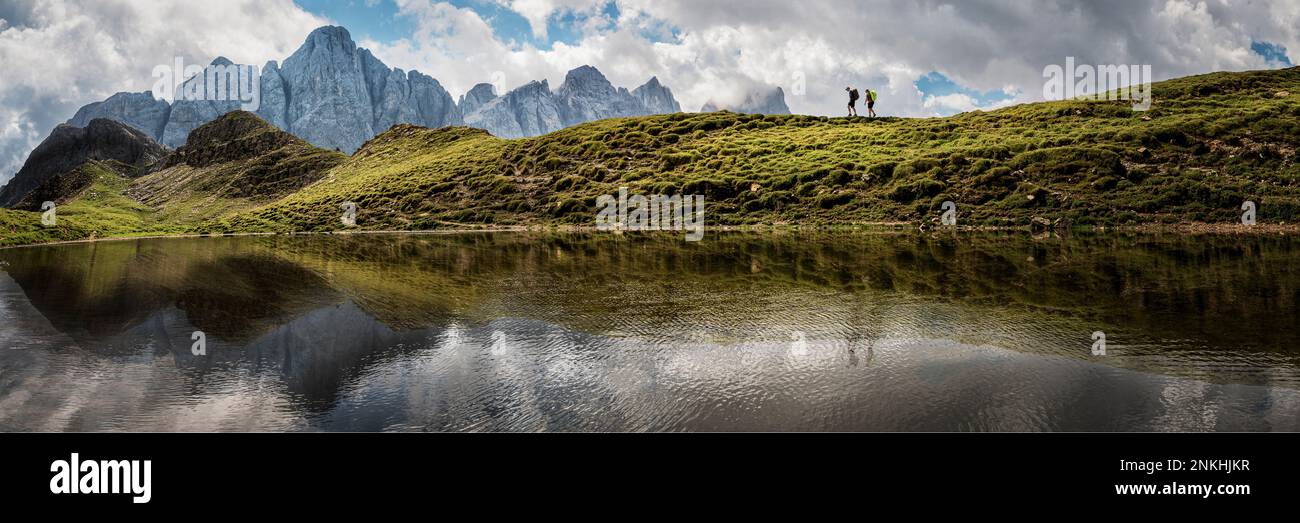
[
  {"x": 871, "y": 103},
  {"x": 853, "y": 101}
]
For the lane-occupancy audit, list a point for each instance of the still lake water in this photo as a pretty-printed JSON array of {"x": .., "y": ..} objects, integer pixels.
[{"x": 742, "y": 331}]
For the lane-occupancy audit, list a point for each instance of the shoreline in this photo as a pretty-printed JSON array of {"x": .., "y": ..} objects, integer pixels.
[{"x": 1188, "y": 229}]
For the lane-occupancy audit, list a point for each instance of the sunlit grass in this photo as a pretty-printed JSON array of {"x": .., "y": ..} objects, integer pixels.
[{"x": 1208, "y": 144}]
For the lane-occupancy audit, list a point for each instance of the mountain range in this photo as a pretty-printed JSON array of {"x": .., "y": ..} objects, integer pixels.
[{"x": 336, "y": 95}]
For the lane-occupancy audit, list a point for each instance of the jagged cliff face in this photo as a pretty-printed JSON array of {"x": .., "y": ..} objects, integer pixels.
[
  {"x": 585, "y": 96},
  {"x": 187, "y": 115},
  {"x": 656, "y": 98},
  {"x": 761, "y": 101},
  {"x": 477, "y": 97},
  {"x": 139, "y": 110},
  {"x": 329, "y": 92},
  {"x": 530, "y": 110},
  {"x": 327, "y": 79},
  {"x": 336, "y": 96},
  {"x": 68, "y": 148},
  {"x": 275, "y": 96}
]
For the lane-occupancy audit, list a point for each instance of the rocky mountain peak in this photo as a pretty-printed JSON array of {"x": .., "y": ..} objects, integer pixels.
[
  {"x": 329, "y": 38},
  {"x": 586, "y": 95},
  {"x": 585, "y": 76},
  {"x": 656, "y": 98},
  {"x": 477, "y": 97},
  {"x": 335, "y": 95}
]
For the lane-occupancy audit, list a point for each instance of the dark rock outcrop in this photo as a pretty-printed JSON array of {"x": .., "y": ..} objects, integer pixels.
[
  {"x": 238, "y": 155},
  {"x": 69, "y": 147},
  {"x": 58, "y": 188},
  {"x": 234, "y": 136}
]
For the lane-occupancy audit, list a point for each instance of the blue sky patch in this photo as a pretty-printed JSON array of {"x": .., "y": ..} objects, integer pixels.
[
  {"x": 1271, "y": 52},
  {"x": 935, "y": 83},
  {"x": 378, "y": 22}
]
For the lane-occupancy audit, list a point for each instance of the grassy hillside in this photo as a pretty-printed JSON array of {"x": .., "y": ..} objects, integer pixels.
[
  {"x": 1209, "y": 143},
  {"x": 91, "y": 203},
  {"x": 234, "y": 163}
]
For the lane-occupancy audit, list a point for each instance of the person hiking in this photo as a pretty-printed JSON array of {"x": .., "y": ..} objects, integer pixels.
[
  {"x": 853, "y": 101},
  {"x": 871, "y": 103}
]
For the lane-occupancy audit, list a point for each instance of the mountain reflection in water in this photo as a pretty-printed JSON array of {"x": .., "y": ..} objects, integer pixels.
[{"x": 742, "y": 331}]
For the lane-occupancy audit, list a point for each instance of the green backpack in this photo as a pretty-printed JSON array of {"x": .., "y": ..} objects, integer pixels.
[{"x": 871, "y": 95}]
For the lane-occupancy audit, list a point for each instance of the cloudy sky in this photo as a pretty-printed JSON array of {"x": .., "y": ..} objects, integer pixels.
[{"x": 924, "y": 57}]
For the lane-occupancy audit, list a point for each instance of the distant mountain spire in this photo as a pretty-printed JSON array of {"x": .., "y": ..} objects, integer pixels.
[{"x": 336, "y": 96}]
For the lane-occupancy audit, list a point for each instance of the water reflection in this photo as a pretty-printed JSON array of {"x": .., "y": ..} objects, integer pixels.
[{"x": 746, "y": 331}]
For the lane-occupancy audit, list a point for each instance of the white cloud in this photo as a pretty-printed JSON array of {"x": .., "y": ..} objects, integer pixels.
[
  {"x": 947, "y": 104},
  {"x": 950, "y": 103},
  {"x": 539, "y": 12}
]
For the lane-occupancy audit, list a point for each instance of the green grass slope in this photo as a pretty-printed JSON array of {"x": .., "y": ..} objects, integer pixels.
[
  {"x": 91, "y": 203},
  {"x": 1209, "y": 143}
]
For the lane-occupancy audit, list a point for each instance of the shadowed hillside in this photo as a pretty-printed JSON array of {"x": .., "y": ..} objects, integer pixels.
[{"x": 232, "y": 163}]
